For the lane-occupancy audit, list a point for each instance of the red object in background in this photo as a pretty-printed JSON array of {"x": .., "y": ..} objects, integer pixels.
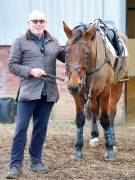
[{"x": 8, "y": 82}]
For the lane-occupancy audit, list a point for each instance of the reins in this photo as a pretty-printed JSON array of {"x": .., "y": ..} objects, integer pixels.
[{"x": 52, "y": 76}]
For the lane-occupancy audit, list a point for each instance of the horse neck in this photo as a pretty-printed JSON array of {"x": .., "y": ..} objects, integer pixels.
[
  {"x": 93, "y": 52},
  {"x": 100, "y": 49}
]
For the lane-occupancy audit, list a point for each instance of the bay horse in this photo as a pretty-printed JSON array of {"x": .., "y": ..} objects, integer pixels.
[{"x": 91, "y": 77}]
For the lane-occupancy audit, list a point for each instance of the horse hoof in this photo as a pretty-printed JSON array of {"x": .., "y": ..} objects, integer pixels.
[
  {"x": 115, "y": 148},
  {"x": 94, "y": 142},
  {"x": 110, "y": 155},
  {"x": 76, "y": 155}
]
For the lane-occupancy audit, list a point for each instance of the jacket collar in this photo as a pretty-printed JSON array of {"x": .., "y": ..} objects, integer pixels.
[{"x": 47, "y": 36}]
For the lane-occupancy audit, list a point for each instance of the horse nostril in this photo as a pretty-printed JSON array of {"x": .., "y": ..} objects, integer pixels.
[
  {"x": 73, "y": 89},
  {"x": 80, "y": 85},
  {"x": 69, "y": 88}
]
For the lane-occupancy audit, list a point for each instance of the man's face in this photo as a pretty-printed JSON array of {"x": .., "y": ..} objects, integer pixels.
[{"x": 37, "y": 25}]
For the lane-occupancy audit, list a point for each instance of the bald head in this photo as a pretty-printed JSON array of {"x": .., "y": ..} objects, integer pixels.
[
  {"x": 36, "y": 15},
  {"x": 37, "y": 22}
]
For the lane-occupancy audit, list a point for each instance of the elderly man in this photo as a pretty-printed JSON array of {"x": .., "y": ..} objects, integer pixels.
[{"x": 32, "y": 56}]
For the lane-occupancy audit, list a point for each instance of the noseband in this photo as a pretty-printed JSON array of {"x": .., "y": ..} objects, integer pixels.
[{"x": 76, "y": 67}]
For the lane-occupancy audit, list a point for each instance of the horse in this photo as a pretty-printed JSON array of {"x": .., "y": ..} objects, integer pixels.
[{"x": 91, "y": 82}]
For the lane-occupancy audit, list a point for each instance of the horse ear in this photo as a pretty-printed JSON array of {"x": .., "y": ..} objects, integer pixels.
[
  {"x": 67, "y": 30},
  {"x": 89, "y": 33}
]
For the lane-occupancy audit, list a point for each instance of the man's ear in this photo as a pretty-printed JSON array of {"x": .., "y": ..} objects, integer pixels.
[{"x": 67, "y": 30}]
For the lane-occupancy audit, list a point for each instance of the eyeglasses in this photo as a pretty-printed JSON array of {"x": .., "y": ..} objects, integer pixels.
[{"x": 41, "y": 21}]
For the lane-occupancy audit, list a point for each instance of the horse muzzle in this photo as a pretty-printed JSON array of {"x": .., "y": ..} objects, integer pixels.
[{"x": 74, "y": 89}]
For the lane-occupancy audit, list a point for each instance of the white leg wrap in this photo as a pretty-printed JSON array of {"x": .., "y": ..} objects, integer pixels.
[{"x": 94, "y": 142}]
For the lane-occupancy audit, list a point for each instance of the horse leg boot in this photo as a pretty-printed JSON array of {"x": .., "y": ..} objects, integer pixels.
[
  {"x": 110, "y": 154},
  {"x": 93, "y": 110},
  {"x": 112, "y": 129},
  {"x": 80, "y": 120},
  {"x": 94, "y": 141}
]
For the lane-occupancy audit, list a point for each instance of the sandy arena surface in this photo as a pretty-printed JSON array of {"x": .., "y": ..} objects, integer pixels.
[{"x": 59, "y": 145}]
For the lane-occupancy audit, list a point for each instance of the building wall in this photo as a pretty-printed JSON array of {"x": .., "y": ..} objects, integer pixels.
[
  {"x": 14, "y": 14},
  {"x": 131, "y": 61},
  {"x": 8, "y": 82}
]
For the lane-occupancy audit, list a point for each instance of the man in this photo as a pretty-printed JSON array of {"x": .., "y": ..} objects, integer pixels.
[{"x": 32, "y": 56}]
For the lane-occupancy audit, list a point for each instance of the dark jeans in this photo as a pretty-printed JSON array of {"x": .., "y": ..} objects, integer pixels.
[{"x": 40, "y": 111}]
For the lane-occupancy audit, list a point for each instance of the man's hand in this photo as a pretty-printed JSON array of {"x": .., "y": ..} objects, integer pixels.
[{"x": 37, "y": 72}]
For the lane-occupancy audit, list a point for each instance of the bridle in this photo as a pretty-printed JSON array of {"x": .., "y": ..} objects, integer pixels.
[
  {"x": 96, "y": 69},
  {"x": 76, "y": 67}
]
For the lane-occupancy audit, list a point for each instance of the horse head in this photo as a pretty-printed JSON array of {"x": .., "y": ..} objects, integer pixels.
[{"x": 79, "y": 51}]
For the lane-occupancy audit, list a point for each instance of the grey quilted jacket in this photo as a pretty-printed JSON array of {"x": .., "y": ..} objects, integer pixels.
[{"x": 26, "y": 54}]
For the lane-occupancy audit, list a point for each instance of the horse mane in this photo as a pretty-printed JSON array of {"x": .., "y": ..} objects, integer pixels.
[{"x": 78, "y": 31}]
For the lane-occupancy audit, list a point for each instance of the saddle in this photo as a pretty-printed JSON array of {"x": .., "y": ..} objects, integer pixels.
[
  {"x": 115, "y": 45},
  {"x": 108, "y": 29}
]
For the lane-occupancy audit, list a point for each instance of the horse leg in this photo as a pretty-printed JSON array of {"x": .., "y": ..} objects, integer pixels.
[
  {"x": 80, "y": 121},
  {"x": 116, "y": 90},
  {"x": 110, "y": 154},
  {"x": 94, "y": 141}
]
